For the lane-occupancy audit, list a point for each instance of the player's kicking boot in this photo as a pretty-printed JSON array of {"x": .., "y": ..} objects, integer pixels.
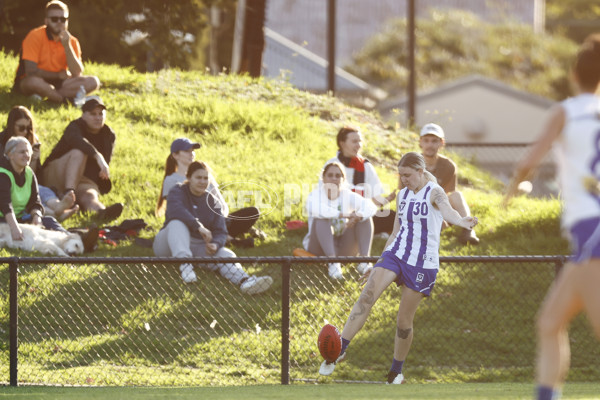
[
  {"x": 327, "y": 368},
  {"x": 394, "y": 378}
]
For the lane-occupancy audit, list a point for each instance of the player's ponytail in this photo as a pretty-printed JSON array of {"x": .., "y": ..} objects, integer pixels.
[{"x": 429, "y": 176}]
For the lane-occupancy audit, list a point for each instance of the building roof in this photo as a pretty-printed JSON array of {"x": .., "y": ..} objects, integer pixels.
[
  {"x": 401, "y": 102},
  {"x": 285, "y": 59}
]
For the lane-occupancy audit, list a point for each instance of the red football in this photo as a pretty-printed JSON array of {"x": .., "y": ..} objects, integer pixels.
[{"x": 330, "y": 343}]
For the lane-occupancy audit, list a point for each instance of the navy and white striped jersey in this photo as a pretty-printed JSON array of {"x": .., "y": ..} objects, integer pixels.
[{"x": 417, "y": 243}]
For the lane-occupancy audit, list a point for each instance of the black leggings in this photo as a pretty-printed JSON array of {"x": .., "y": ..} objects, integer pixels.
[{"x": 239, "y": 222}]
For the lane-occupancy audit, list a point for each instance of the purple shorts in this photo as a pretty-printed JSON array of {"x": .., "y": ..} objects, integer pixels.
[
  {"x": 418, "y": 279},
  {"x": 585, "y": 240}
]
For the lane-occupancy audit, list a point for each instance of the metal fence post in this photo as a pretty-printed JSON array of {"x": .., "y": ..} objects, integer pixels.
[
  {"x": 13, "y": 266},
  {"x": 285, "y": 322},
  {"x": 558, "y": 265}
]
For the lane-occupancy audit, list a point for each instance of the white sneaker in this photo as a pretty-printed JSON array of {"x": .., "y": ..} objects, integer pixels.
[
  {"x": 363, "y": 267},
  {"x": 256, "y": 284},
  {"x": 335, "y": 271},
  {"x": 187, "y": 273},
  {"x": 394, "y": 378},
  {"x": 327, "y": 368}
]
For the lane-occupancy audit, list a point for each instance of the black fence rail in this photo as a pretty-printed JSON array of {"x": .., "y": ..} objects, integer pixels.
[{"x": 132, "y": 321}]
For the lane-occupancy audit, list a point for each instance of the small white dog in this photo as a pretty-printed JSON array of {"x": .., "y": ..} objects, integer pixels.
[{"x": 36, "y": 238}]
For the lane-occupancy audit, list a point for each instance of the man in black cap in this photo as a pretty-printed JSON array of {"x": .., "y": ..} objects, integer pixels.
[{"x": 79, "y": 161}]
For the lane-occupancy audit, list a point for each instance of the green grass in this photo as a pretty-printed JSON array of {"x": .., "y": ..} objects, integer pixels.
[
  {"x": 262, "y": 132},
  {"x": 273, "y": 135},
  {"x": 471, "y": 391}
]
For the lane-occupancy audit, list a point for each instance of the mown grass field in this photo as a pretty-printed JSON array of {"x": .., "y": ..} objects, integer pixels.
[
  {"x": 467, "y": 391},
  {"x": 267, "y": 132}
]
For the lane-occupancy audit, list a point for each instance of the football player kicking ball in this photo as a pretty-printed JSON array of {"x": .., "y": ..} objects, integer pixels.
[{"x": 411, "y": 259}]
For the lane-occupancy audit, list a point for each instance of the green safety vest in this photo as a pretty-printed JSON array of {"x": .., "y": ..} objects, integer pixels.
[{"x": 19, "y": 196}]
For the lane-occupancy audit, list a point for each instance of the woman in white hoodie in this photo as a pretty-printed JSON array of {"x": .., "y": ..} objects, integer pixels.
[{"x": 339, "y": 220}]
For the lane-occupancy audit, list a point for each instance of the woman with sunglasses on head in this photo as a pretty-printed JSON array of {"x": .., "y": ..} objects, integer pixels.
[
  {"x": 20, "y": 123},
  {"x": 410, "y": 259},
  {"x": 339, "y": 220}
]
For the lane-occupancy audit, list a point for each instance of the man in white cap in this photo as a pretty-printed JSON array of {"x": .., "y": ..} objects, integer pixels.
[{"x": 431, "y": 141}]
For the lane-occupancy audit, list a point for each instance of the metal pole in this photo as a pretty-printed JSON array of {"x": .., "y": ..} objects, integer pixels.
[
  {"x": 285, "y": 322},
  {"x": 238, "y": 37},
  {"x": 331, "y": 46},
  {"x": 411, "y": 62},
  {"x": 13, "y": 266}
]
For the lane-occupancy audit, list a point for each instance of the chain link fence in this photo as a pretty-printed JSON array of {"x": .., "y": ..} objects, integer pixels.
[
  {"x": 134, "y": 322},
  {"x": 499, "y": 159}
]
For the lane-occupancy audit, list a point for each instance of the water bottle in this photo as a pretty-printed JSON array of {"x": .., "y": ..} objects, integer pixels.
[{"x": 79, "y": 99}]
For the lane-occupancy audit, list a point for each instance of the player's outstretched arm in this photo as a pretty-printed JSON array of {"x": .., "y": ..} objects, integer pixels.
[
  {"x": 440, "y": 200},
  {"x": 551, "y": 129}
]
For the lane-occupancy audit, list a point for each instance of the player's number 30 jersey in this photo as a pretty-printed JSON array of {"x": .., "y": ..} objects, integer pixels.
[{"x": 418, "y": 240}]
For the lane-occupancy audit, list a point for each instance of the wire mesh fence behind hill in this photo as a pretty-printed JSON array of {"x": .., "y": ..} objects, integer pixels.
[{"x": 107, "y": 322}]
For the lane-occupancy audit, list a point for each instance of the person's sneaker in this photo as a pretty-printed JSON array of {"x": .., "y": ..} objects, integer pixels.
[
  {"x": 468, "y": 236},
  {"x": 327, "y": 368},
  {"x": 256, "y": 284},
  {"x": 363, "y": 267},
  {"x": 335, "y": 271},
  {"x": 187, "y": 273},
  {"x": 394, "y": 378},
  {"x": 111, "y": 213}
]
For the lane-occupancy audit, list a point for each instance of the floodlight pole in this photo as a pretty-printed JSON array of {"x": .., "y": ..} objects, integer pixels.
[
  {"x": 331, "y": 46},
  {"x": 411, "y": 63}
]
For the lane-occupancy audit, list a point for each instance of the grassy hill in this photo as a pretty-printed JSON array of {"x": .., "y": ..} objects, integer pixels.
[
  {"x": 267, "y": 133},
  {"x": 271, "y": 135}
]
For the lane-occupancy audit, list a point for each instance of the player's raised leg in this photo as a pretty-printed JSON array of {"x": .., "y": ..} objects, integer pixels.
[{"x": 378, "y": 281}]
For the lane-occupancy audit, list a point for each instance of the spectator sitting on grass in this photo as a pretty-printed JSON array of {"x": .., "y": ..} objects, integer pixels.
[
  {"x": 19, "y": 199},
  {"x": 195, "y": 227},
  {"x": 339, "y": 220},
  {"x": 20, "y": 123},
  {"x": 444, "y": 169},
  {"x": 50, "y": 61},
  {"x": 78, "y": 164},
  {"x": 238, "y": 222}
]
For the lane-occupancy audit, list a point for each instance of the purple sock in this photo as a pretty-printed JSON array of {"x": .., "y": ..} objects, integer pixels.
[
  {"x": 397, "y": 366},
  {"x": 546, "y": 393},
  {"x": 345, "y": 343}
]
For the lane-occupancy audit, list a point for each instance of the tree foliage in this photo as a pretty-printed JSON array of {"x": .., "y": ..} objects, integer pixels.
[
  {"x": 170, "y": 33},
  {"x": 450, "y": 45},
  {"x": 573, "y": 18}
]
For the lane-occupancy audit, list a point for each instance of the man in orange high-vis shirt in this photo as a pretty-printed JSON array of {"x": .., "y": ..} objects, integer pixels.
[{"x": 50, "y": 64}]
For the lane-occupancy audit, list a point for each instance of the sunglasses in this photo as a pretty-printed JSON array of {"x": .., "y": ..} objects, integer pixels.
[
  {"x": 57, "y": 19},
  {"x": 23, "y": 128}
]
